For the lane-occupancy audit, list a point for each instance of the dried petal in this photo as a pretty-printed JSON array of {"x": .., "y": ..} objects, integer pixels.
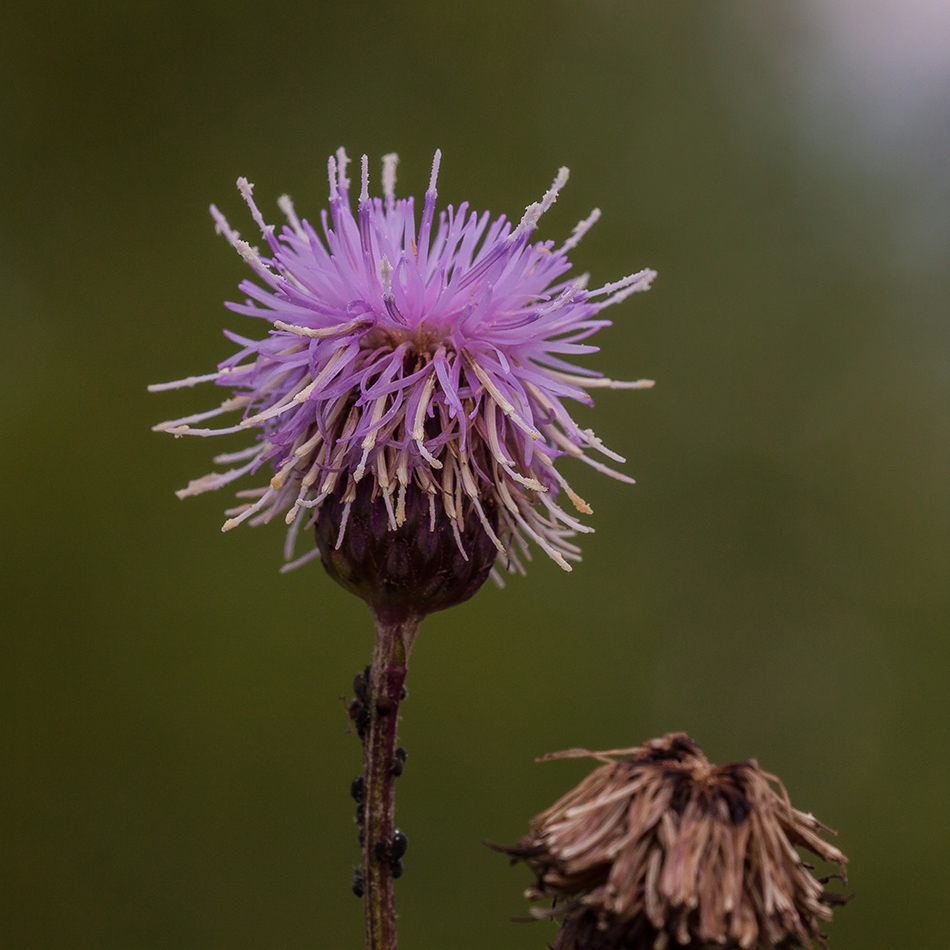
[{"x": 658, "y": 847}]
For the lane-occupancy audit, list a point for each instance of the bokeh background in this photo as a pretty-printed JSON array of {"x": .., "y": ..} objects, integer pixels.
[{"x": 174, "y": 758}]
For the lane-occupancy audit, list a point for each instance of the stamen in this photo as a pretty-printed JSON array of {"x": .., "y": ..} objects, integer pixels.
[
  {"x": 580, "y": 229},
  {"x": 277, "y": 379},
  {"x": 247, "y": 191},
  {"x": 306, "y": 559},
  {"x": 471, "y": 489},
  {"x": 225, "y": 458},
  {"x": 382, "y": 474},
  {"x": 498, "y": 453},
  {"x": 428, "y": 213},
  {"x": 313, "y": 502},
  {"x": 179, "y": 431},
  {"x": 279, "y": 407},
  {"x": 369, "y": 439},
  {"x": 602, "y": 382},
  {"x": 364, "y": 175},
  {"x": 291, "y": 540},
  {"x": 561, "y": 301},
  {"x": 606, "y": 470},
  {"x": 402, "y": 474},
  {"x": 385, "y": 273},
  {"x": 596, "y": 443},
  {"x": 506, "y": 407},
  {"x": 388, "y": 502},
  {"x": 342, "y": 161},
  {"x": 331, "y": 175},
  {"x": 621, "y": 289},
  {"x": 250, "y": 255},
  {"x": 321, "y": 333},
  {"x": 306, "y": 449},
  {"x": 250, "y": 510},
  {"x": 503, "y": 492},
  {"x": 448, "y": 490},
  {"x": 390, "y": 162},
  {"x": 531, "y": 483},
  {"x": 215, "y": 480},
  {"x": 250, "y": 493},
  {"x": 418, "y": 423},
  {"x": 491, "y": 429},
  {"x": 513, "y": 559},
  {"x": 401, "y": 506},
  {"x": 322, "y": 376},
  {"x": 458, "y": 541},
  {"x": 229, "y": 405},
  {"x": 576, "y": 499},
  {"x": 343, "y": 520},
  {"x": 433, "y": 177},
  {"x": 280, "y": 476},
  {"x": 543, "y": 543},
  {"x": 562, "y": 516},
  {"x": 532, "y": 214},
  {"x": 287, "y": 207},
  {"x": 188, "y": 382}
]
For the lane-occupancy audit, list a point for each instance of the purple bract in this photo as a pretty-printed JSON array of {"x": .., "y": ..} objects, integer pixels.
[{"x": 434, "y": 360}]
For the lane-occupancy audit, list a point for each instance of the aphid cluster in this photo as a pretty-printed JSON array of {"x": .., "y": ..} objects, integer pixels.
[
  {"x": 393, "y": 852},
  {"x": 360, "y": 713},
  {"x": 358, "y": 709}
]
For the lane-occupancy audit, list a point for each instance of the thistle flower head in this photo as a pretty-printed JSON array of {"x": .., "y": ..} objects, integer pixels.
[
  {"x": 659, "y": 848},
  {"x": 434, "y": 360}
]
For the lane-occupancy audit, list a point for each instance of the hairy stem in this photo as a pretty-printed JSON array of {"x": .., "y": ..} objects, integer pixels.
[{"x": 395, "y": 633}]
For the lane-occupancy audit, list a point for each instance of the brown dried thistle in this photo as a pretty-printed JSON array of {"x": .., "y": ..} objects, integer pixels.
[{"x": 657, "y": 847}]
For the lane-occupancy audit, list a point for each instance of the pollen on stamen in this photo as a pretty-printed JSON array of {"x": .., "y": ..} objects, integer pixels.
[
  {"x": 580, "y": 229},
  {"x": 364, "y": 178},
  {"x": 390, "y": 162},
  {"x": 434, "y": 175},
  {"x": 534, "y": 211}
]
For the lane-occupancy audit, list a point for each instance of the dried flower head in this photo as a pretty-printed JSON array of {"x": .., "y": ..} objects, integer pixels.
[
  {"x": 657, "y": 847},
  {"x": 433, "y": 361}
]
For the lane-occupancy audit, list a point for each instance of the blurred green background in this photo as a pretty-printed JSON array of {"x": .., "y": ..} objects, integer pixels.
[{"x": 174, "y": 759}]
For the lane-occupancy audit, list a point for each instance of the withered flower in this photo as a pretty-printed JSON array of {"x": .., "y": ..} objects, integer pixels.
[{"x": 659, "y": 848}]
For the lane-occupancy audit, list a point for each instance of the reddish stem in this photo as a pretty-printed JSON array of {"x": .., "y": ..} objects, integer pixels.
[{"x": 395, "y": 633}]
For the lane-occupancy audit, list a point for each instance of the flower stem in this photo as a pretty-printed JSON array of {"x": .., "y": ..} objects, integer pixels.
[{"x": 395, "y": 633}]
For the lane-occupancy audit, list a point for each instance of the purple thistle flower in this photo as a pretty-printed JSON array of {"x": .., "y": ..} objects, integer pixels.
[{"x": 435, "y": 360}]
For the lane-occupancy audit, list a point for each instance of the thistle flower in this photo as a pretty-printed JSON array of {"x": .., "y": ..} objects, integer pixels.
[
  {"x": 431, "y": 362},
  {"x": 657, "y": 847}
]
